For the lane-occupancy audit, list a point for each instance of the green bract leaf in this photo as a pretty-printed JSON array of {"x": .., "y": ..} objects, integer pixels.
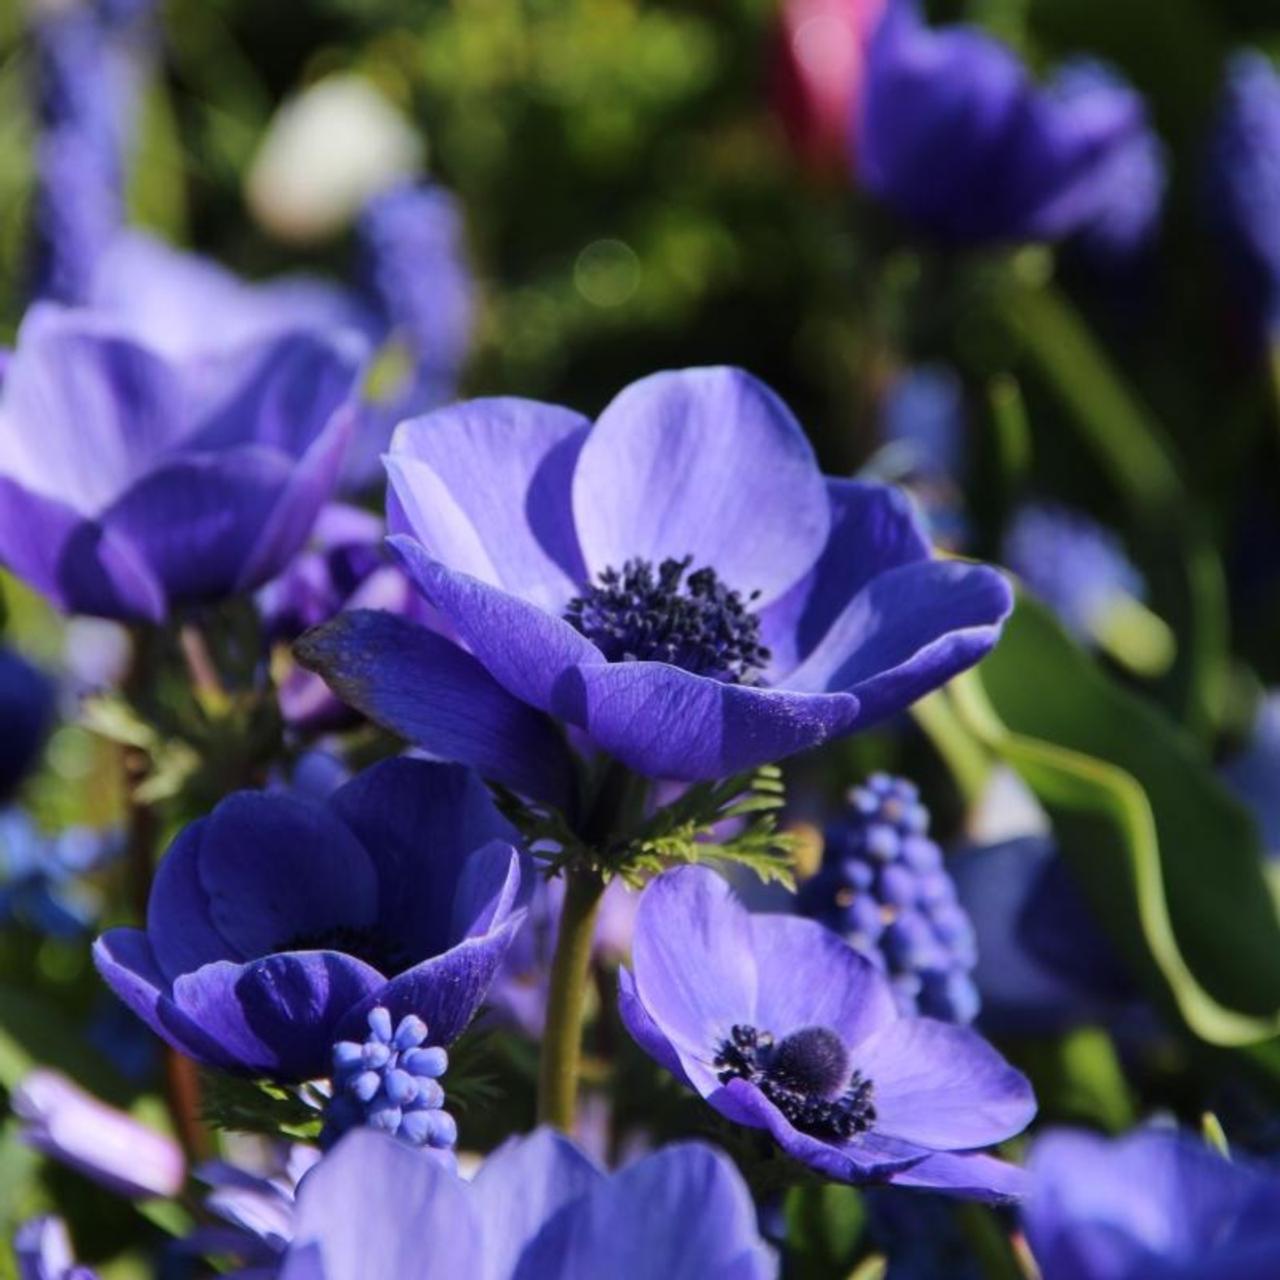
[
  {"x": 1170, "y": 861},
  {"x": 256, "y": 1106}
]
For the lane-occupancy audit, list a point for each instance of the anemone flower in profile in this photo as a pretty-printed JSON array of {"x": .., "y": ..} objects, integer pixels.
[
  {"x": 275, "y": 924},
  {"x": 781, "y": 1026},
  {"x": 375, "y": 1209},
  {"x": 678, "y": 584}
]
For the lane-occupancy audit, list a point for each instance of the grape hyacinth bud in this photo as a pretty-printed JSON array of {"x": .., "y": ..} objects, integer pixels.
[
  {"x": 391, "y": 1081},
  {"x": 883, "y": 886}
]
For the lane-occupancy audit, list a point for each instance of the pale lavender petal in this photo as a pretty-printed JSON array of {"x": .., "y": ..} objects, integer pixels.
[
  {"x": 970, "y": 1175},
  {"x": 514, "y": 530},
  {"x": 707, "y": 463}
]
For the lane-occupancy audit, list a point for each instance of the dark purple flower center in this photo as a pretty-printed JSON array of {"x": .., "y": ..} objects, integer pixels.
[
  {"x": 690, "y": 620},
  {"x": 806, "y": 1075},
  {"x": 364, "y": 942}
]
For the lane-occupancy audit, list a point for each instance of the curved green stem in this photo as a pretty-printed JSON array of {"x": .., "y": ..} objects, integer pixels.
[{"x": 570, "y": 976}]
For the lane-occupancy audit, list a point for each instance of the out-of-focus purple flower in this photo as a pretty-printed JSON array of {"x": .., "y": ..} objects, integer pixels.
[
  {"x": 1253, "y": 774},
  {"x": 377, "y": 1210},
  {"x": 1155, "y": 1205},
  {"x": 132, "y": 483},
  {"x": 519, "y": 996},
  {"x": 1044, "y": 965},
  {"x": 1078, "y": 568},
  {"x": 79, "y": 199},
  {"x": 390, "y": 1081},
  {"x": 42, "y": 1250},
  {"x": 678, "y": 582},
  {"x": 781, "y": 1026},
  {"x": 346, "y": 566},
  {"x": 255, "y": 1204},
  {"x": 41, "y": 873},
  {"x": 883, "y": 887},
  {"x": 959, "y": 140},
  {"x": 112, "y": 1148},
  {"x": 1244, "y": 182},
  {"x": 275, "y": 924},
  {"x": 415, "y": 271},
  {"x": 26, "y": 711}
]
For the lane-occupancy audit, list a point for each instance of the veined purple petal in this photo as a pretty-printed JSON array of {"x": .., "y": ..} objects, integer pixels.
[
  {"x": 428, "y": 690},
  {"x": 969, "y": 1174},
  {"x": 514, "y": 531},
  {"x": 666, "y": 723},
  {"x": 707, "y": 463}
]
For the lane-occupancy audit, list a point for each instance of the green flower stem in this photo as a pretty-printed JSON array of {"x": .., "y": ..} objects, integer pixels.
[{"x": 570, "y": 974}]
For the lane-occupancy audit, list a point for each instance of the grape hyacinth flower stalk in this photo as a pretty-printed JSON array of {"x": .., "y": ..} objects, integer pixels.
[
  {"x": 1080, "y": 570},
  {"x": 958, "y": 139},
  {"x": 1154, "y": 1205},
  {"x": 781, "y": 1026},
  {"x": 375, "y": 1209},
  {"x": 132, "y": 483},
  {"x": 883, "y": 887},
  {"x": 1243, "y": 184},
  {"x": 275, "y": 924}
]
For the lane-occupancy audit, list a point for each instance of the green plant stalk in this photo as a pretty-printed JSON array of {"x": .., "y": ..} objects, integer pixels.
[{"x": 561, "y": 1055}]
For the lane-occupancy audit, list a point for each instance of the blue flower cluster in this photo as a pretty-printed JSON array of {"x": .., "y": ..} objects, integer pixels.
[{"x": 883, "y": 886}]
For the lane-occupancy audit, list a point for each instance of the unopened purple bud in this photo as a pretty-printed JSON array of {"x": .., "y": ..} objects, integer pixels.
[
  {"x": 380, "y": 1023},
  {"x": 411, "y": 1032},
  {"x": 433, "y": 1062}
]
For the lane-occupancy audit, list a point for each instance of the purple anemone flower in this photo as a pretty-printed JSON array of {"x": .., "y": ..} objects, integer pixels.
[
  {"x": 1253, "y": 773},
  {"x": 781, "y": 1026},
  {"x": 346, "y": 566},
  {"x": 678, "y": 583},
  {"x": 377, "y": 1210},
  {"x": 131, "y": 483},
  {"x": 26, "y": 711},
  {"x": 958, "y": 139},
  {"x": 275, "y": 924},
  {"x": 1155, "y": 1205}
]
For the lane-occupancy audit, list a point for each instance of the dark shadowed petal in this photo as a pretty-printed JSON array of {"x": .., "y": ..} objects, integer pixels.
[
  {"x": 310, "y": 486},
  {"x": 281, "y": 393},
  {"x": 197, "y": 518},
  {"x": 277, "y": 1016},
  {"x": 280, "y": 874},
  {"x": 667, "y": 723},
  {"x": 692, "y": 959},
  {"x": 124, "y": 959},
  {"x": 874, "y": 528},
  {"x": 707, "y": 463},
  {"x": 972, "y": 1175},
  {"x": 943, "y": 1086},
  {"x": 809, "y": 976},
  {"x": 182, "y": 931},
  {"x": 85, "y": 410},
  {"x": 75, "y": 563},
  {"x": 485, "y": 487},
  {"x": 906, "y": 633},
  {"x": 521, "y": 1186},
  {"x": 420, "y": 822},
  {"x": 377, "y": 1209},
  {"x": 869, "y": 1155},
  {"x": 644, "y": 1031},
  {"x": 424, "y": 688},
  {"x": 683, "y": 1213},
  {"x": 525, "y": 649},
  {"x": 447, "y": 990}
]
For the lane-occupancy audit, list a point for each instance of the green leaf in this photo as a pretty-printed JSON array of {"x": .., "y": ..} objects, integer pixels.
[
  {"x": 1079, "y": 1080},
  {"x": 826, "y": 1223},
  {"x": 1170, "y": 861},
  {"x": 256, "y": 1106}
]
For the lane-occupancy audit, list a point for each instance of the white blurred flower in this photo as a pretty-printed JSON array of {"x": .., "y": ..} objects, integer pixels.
[{"x": 325, "y": 152}]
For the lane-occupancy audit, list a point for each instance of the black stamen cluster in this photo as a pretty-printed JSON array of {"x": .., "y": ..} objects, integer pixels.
[
  {"x": 813, "y": 1097},
  {"x": 694, "y": 622},
  {"x": 364, "y": 942}
]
